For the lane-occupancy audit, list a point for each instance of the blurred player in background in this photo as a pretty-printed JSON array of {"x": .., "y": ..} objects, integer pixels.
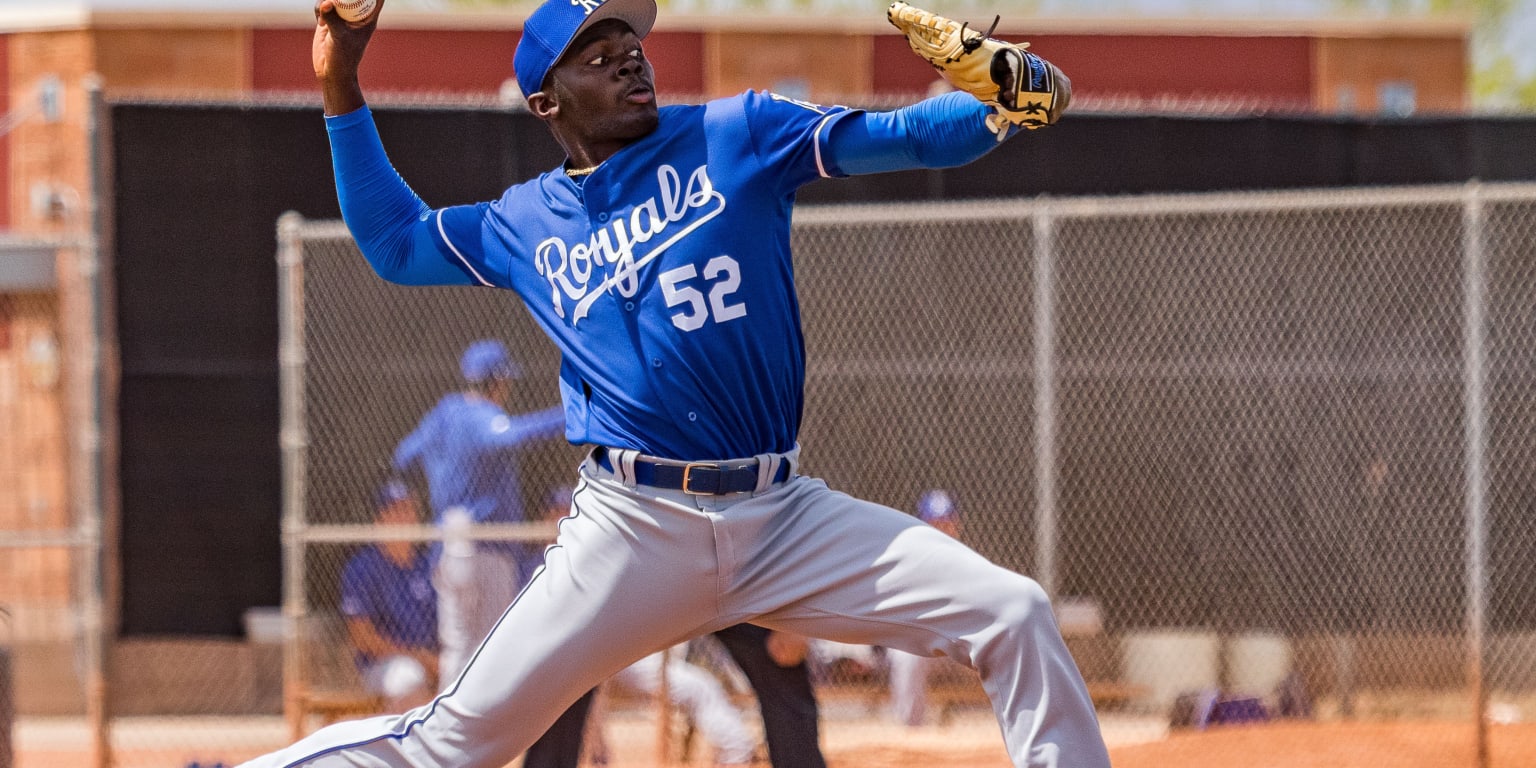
[
  {"x": 702, "y": 698},
  {"x": 775, "y": 664},
  {"x": 391, "y": 608},
  {"x": 908, "y": 672},
  {"x": 657, "y": 259},
  {"x": 468, "y": 449}
]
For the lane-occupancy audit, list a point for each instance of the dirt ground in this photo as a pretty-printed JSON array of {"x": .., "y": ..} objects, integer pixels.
[
  {"x": 1283, "y": 745},
  {"x": 1403, "y": 744},
  {"x": 1340, "y": 745}
]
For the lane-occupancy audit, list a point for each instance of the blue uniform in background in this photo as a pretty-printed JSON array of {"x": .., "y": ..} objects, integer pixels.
[
  {"x": 468, "y": 450},
  {"x": 466, "y": 447},
  {"x": 398, "y": 600}
]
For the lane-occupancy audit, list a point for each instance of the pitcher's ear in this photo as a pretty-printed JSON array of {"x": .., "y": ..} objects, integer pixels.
[{"x": 543, "y": 105}]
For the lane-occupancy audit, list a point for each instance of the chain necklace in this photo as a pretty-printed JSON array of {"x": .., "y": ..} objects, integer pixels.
[{"x": 577, "y": 172}]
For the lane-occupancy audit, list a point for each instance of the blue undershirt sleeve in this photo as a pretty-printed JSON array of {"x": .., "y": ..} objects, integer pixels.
[
  {"x": 547, "y": 423},
  {"x": 941, "y": 132},
  {"x": 394, "y": 229},
  {"x": 408, "y": 453}
]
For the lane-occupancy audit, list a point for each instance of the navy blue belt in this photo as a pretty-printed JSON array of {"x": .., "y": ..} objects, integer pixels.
[{"x": 701, "y": 478}]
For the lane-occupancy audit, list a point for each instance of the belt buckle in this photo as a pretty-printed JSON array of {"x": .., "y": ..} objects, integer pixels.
[{"x": 688, "y": 478}]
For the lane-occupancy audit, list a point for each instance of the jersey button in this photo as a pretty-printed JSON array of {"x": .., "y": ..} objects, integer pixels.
[
  {"x": 629, "y": 306},
  {"x": 693, "y": 416},
  {"x": 656, "y": 363},
  {"x": 602, "y": 216}
]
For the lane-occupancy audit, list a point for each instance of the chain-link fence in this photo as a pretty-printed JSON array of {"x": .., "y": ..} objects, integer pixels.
[
  {"x": 50, "y": 533},
  {"x": 1268, "y": 451}
]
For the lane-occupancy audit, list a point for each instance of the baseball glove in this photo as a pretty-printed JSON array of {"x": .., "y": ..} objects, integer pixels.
[{"x": 1025, "y": 89}]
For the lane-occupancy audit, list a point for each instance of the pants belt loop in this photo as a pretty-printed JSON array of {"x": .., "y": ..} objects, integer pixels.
[
  {"x": 624, "y": 464},
  {"x": 769, "y": 464},
  {"x": 767, "y": 469},
  {"x": 793, "y": 457}
]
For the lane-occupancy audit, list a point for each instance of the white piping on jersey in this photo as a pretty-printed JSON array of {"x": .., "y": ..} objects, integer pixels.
[
  {"x": 821, "y": 167},
  {"x": 443, "y": 233}
]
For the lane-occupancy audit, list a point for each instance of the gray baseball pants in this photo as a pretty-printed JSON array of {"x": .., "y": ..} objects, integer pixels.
[{"x": 639, "y": 569}]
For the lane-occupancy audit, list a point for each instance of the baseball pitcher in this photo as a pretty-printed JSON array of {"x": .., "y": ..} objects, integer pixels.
[{"x": 657, "y": 259}]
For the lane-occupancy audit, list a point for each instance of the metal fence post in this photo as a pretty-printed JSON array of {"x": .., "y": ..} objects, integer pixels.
[
  {"x": 7, "y": 693},
  {"x": 1045, "y": 400},
  {"x": 89, "y": 464},
  {"x": 295, "y": 441},
  {"x": 1475, "y": 402}
]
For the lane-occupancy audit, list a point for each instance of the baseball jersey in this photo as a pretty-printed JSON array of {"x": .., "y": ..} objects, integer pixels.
[
  {"x": 398, "y": 600},
  {"x": 466, "y": 447},
  {"x": 665, "y": 276}
]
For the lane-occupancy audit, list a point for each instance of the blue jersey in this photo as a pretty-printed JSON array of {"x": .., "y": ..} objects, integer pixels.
[
  {"x": 398, "y": 600},
  {"x": 467, "y": 448},
  {"x": 665, "y": 276}
]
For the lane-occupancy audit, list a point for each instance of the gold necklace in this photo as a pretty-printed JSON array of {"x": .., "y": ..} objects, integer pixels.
[{"x": 575, "y": 172}]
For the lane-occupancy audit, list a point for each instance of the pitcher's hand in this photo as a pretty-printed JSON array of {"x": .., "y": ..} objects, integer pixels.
[{"x": 337, "y": 52}]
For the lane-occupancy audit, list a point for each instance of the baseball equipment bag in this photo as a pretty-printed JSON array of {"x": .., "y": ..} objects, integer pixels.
[{"x": 1024, "y": 89}]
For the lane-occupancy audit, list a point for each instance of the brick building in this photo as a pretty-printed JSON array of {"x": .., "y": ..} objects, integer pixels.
[
  {"x": 48, "y": 54},
  {"x": 1398, "y": 66}
]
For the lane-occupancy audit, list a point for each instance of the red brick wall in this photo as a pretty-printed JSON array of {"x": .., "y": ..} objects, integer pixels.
[
  {"x": 897, "y": 69},
  {"x": 1282, "y": 70},
  {"x": 5, "y": 141},
  {"x": 204, "y": 61},
  {"x": 1256, "y": 68},
  {"x": 280, "y": 60},
  {"x": 447, "y": 61},
  {"x": 419, "y": 60},
  {"x": 49, "y": 153},
  {"x": 1287, "y": 68},
  {"x": 454, "y": 61},
  {"x": 821, "y": 66},
  {"x": 679, "y": 61},
  {"x": 1290, "y": 67},
  {"x": 1355, "y": 69},
  {"x": 1142, "y": 66}
]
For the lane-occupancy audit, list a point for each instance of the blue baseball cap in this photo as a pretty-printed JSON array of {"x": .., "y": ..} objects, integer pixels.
[
  {"x": 549, "y": 30},
  {"x": 935, "y": 505},
  {"x": 390, "y": 492},
  {"x": 488, "y": 359}
]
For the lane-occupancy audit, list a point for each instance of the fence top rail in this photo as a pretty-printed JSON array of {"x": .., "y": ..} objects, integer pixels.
[
  {"x": 1160, "y": 204},
  {"x": 843, "y": 214},
  {"x": 319, "y": 229},
  {"x": 45, "y": 539},
  {"x": 370, "y": 533},
  {"x": 10, "y": 241}
]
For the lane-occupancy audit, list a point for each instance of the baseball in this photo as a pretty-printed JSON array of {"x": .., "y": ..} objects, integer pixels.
[{"x": 355, "y": 10}]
